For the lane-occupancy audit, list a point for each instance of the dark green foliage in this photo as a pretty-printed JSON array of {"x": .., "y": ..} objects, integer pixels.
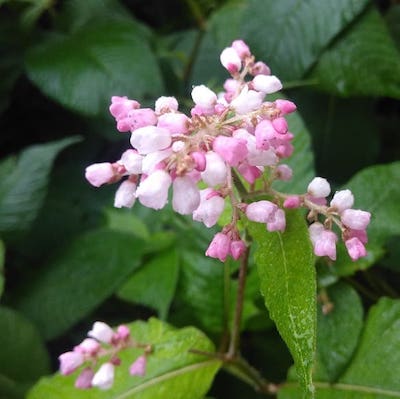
[{"x": 66, "y": 255}]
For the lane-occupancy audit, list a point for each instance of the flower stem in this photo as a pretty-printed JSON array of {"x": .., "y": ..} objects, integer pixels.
[{"x": 235, "y": 334}]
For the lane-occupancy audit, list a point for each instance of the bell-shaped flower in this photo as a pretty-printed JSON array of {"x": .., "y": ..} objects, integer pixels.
[
  {"x": 150, "y": 138},
  {"x": 186, "y": 195},
  {"x": 210, "y": 208},
  {"x": 215, "y": 172},
  {"x": 153, "y": 191},
  {"x": 104, "y": 378}
]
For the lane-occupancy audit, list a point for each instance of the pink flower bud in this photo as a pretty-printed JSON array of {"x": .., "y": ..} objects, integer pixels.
[
  {"x": 241, "y": 48},
  {"x": 315, "y": 231},
  {"x": 319, "y": 187},
  {"x": 138, "y": 118},
  {"x": 247, "y": 101},
  {"x": 138, "y": 367},
  {"x": 284, "y": 172},
  {"x": 231, "y": 149},
  {"x": 186, "y": 195},
  {"x": 70, "y": 361},
  {"x": 237, "y": 249},
  {"x": 166, "y": 104},
  {"x": 204, "y": 97},
  {"x": 153, "y": 191},
  {"x": 261, "y": 211},
  {"x": 84, "y": 380},
  {"x": 260, "y": 68},
  {"x": 293, "y": 201},
  {"x": 123, "y": 333},
  {"x": 342, "y": 200},
  {"x": 230, "y": 60},
  {"x": 104, "y": 378},
  {"x": 176, "y": 123},
  {"x": 102, "y": 332},
  {"x": 355, "y": 219},
  {"x": 150, "y": 138},
  {"x": 277, "y": 222},
  {"x": 267, "y": 84},
  {"x": 264, "y": 132},
  {"x": 210, "y": 208},
  {"x": 199, "y": 159},
  {"x": 325, "y": 244},
  {"x": 125, "y": 195},
  {"x": 249, "y": 172},
  {"x": 132, "y": 161},
  {"x": 215, "y": 172},
  {"x": 285, "y": 106},
  {"x": 120, "y": 106},
  {"x": 88, "y": 346},
  {"x": 280, "y": 125},
  {"x": 219, "y": 247},
  {"x": 100, "y": 173},
  {"x": 355, "y": 248},
  {"x": 360, "y": 234}
]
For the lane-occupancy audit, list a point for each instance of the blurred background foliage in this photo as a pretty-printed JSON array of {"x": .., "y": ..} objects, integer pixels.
[{"x": 68, "y": 258}]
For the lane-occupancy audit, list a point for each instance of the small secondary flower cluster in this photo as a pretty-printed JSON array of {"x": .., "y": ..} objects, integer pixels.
[
  {"x": 235, "y": 136},
  {"x": 103, "y": 342}
]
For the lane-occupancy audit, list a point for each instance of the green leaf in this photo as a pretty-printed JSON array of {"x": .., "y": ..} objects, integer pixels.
[
  {"x": 172, "y": 371},
  {"x": 373, "y": 372},
  {"x": 200, "y": 293},
  {"x": 393, "y": 23},
  {"x": 338, "y": 332},
  {"x": 363, "y": 62},
  {"x": 154, "y": 283},
  {"x": 101, "y": 59},
  {"x": 287, "y": 276},
  {"x": 2, "y": 256},
  {"x": 79, "y": 279},
  {"x": 273, "y": 29},
  {"x": 126, "y": 221},
  {"x": 375, "y": 190},
  {"x": 23, "y": 190},
  {"x": 23, "y": 356}
]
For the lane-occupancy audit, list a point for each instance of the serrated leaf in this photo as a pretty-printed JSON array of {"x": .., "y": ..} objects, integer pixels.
[
  {"x": 363, "y": 62},
  {"x": 338, "y": 332},
  {"x": 272, "y": 30},
  {"x": 79, "y": 279},
  {"x": 285, "y": 264},
  {"x": 154, "y": 283},
  {"x": 101, "y": 59},
  {"x": 23, "y": 190},
  {"x": 23, "y": 356},
  {"x": 373, "y": 372},
  {"x": 172, "y": 371},
  {"x": 375, "y": 190}
]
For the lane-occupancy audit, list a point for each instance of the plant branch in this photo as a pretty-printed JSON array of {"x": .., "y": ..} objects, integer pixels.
[{"x": 235, "y": 334}]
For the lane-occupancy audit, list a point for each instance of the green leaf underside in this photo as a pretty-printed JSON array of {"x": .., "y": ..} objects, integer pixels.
[
  {"x": 285, "y": 264},
  {"x": 272, "y": 30},
  {"x": 79, "y": 279},
  {"x": 363, "y": 62},
  {"x": 23, "y": 356},
  {"x": 373, "y": 372},
  {"x": 23, "y": 189},
  {"x": 171, "y": 368},
  {"x": 82, "y": 71},
  {"x": 154, "y": 283},
  {"x": 374, "y": 191}
]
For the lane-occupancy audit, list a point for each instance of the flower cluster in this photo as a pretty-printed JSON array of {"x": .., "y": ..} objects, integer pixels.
[
  {"x": 234, "y": 136},
  {"x": 103, "y": 342}
]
